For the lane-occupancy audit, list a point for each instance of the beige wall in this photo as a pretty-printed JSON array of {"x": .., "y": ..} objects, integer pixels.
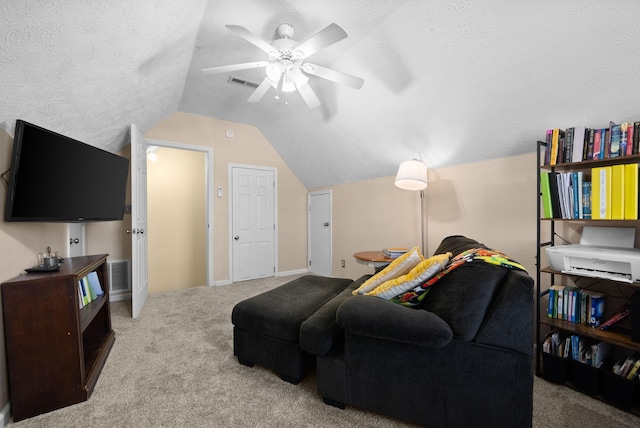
[
  {"x": 177, "y": 220},
  {"x": 492, "y": 201},
  {"x": 249, "y": 147}
]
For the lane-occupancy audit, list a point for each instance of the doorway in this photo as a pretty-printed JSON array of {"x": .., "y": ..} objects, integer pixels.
[{"x": 179, "y": 207}]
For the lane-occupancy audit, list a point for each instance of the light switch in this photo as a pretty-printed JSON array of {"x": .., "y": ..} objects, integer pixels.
[{"x": 219, "y": 191}]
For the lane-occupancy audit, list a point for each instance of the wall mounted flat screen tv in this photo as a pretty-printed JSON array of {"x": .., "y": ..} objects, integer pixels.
[{"x": 54, "y": 178}]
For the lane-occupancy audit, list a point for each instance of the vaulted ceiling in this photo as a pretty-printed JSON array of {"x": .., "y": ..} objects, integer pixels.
[{"x": 452, "y": 81}]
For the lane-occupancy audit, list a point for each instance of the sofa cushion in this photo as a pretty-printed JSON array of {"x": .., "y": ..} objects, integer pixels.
[
  {"x": 279, "y": 312},
  {"x": 396, "y": 268},
  {"x": 379, "y": 319},
  {"x": 416, "y": 276},
  {"x": 320, "y": 333},
  {"x": 463, "y": 296}
]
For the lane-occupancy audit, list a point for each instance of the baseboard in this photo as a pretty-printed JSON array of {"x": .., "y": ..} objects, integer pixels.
[
  {"x": 5, "y": 416},
  {"x": 292, "y": 272},
  {"x": 277, "y": 275}
]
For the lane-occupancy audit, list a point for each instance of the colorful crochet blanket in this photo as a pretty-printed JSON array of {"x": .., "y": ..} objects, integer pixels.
[{"x": 416, "y": 296}]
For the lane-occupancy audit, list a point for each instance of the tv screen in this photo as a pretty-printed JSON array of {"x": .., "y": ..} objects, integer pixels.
[{"x": 54, "y": 178}]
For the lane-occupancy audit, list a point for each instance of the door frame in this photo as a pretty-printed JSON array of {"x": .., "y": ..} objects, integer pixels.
[
  {"x": 208, "y": 187},
  {"x": 309, "y": 196},
  {"x": 275, "y": 211}
]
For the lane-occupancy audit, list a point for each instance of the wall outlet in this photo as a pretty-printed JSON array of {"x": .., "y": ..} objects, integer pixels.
[{"x": 342, "y": 263}]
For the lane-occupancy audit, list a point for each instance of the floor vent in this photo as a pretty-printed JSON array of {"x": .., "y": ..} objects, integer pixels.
[
  {"x": 242, "y": 82},
  {"x": 119, "y": 277}
]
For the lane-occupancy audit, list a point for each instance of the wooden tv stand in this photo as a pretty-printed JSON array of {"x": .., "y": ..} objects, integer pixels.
[{"x": 55, "y": 349}]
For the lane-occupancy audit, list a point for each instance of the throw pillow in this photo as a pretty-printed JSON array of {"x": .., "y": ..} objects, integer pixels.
[
  {"x": 399, "y": 266},
  {"x": 416, "y": 276}
]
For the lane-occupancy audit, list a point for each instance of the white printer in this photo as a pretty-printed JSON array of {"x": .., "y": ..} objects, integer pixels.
[{"x": 603, "y": 252}]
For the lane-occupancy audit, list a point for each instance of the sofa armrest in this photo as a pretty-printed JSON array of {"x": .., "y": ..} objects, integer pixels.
[{"x": 380, "y": 319}]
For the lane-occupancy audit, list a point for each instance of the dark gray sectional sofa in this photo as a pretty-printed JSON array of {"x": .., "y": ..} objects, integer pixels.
[{"x": 463, "y": 358}]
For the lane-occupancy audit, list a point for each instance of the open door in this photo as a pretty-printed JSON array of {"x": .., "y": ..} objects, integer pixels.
[{"x": 138, "y": 231}]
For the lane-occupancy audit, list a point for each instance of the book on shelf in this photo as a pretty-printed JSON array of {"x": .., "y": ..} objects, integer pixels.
[
  {"x": 597, "y": 308},
  {"x": 547, "y": 147},
  {"x": 578, "y": 149},
  {"x": 545, "y": 191},
  {"x": 394, "y": 253},
  {"x": 557, "y": 140},
  {"x": 94, "y": 284},
  {"x": 555, "y": 343},
  {"x": 556, "y": 295},
  {"x": 630, "y": 136},
  {"x": 617, "y": 317},
  {"x": 624, "y": 138},
  {"x": 586, "y": 200},
  {"x": 86, "y": 298},
  {"x": 627, "y": 369},
  {"x": 597, "y": 136},
  {"x": 636, "y": 137},
  {"x": 615, "y": 144},
  {"x": 92, "y": 294},
  {"x": 567, "y": 145},
  {"x": 635, "y": 369},
  {"x": 555, "y": 198},
  {"x": 590, "y": 141}
]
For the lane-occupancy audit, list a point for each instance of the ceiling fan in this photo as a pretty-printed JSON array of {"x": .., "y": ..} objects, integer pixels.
[{"x": 286, "y": 69}]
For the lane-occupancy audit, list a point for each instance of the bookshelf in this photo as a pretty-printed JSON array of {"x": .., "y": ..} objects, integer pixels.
[
  {"x": 600, "y": 382},
  {"x": 55, "y": 348}
]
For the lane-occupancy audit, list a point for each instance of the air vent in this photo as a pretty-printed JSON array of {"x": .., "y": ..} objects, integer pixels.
[
  {"x": 242, "y": 82},
  {"x": 119, "y": 277}
]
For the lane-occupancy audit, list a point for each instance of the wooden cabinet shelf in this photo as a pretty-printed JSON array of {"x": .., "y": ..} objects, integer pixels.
[{"x": 55, "y": 349}]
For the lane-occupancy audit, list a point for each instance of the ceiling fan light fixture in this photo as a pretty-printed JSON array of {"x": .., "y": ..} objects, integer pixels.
[
  {"x": 288, "y": 85},
  {"x": 274, "y": 72},
  {"x": 285, "y": 69}
]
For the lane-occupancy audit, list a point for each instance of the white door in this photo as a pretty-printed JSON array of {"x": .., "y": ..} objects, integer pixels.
[
  {"x": 75, "y": 239},
  {"x": 253, "y": 223},
  {"x": 320, "y": 233},
  {"x": 139, "y": 268}
]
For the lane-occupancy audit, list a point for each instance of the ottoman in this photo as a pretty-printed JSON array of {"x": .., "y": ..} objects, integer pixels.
[{"x": 266, "y": 327}]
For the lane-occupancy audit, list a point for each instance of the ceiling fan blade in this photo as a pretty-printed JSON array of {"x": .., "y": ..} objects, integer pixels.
[
  {"x": 333, "y": 75},
  {"x": 251, "y": 38},
  {"x": 235, "y": 67},
  {"x": 308, "y": 95},
  {"x": 260, "y": 91},
  {"x": 329, "y": 35}
]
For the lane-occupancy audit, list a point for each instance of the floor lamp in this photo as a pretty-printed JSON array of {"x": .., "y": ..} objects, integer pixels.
[{"x": 412, "y": 175}]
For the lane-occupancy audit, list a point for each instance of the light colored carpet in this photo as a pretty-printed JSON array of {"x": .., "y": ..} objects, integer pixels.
[{"x": 174, "y": 367}]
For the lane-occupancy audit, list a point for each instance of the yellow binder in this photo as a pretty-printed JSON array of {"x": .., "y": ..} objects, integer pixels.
[
  {"x": 601, "y": 193},
  {"x": 631, "y": 191},
  {"x": 617, "y": 192}
]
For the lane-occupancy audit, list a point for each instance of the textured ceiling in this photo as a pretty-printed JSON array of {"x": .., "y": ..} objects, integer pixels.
[{"x": 454, "y": 81}]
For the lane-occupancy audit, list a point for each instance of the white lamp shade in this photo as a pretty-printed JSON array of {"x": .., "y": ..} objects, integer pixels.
[{"x": 412, "y": 175}]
